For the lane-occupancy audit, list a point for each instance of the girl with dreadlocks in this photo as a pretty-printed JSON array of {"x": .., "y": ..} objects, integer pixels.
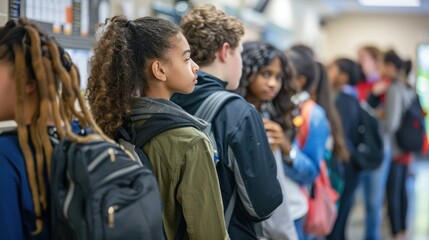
[
  {"x": 39, "y": 86},
  {"x": 137, "y": 66},
  {"x": 267, "y": 83}
]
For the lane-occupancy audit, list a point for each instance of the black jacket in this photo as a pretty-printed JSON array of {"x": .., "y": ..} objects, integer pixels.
[{"x": 238, "y": 125}]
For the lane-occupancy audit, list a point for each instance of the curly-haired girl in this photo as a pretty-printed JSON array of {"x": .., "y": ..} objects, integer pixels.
[
  {"x": 267, "y": 83},
  {"x": 137, "y": 66},
  {"x": 39, "y": 86}
]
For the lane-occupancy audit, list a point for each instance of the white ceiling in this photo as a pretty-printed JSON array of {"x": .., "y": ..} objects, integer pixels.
[{"x": 336, "y": 7}]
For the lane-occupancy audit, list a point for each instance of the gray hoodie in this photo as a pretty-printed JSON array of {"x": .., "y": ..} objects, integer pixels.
[{"x": 399, "y": 98}]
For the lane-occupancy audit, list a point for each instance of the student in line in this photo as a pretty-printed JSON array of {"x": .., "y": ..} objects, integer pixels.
[
  {"x": 344, "y": 74},
  {"x": 137, "y": 66},
  {"x": 35, "y": 72},
  {"x": 399, "y": 97},
  {"x": 267, "y": 84},
  {"x": 373, "y": 90},
  {"x": 308, "y": 153},
  {"x": 215, "y": 40}
]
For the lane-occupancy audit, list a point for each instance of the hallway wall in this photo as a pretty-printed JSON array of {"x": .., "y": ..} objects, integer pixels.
[{"x": 343, "y": 35}]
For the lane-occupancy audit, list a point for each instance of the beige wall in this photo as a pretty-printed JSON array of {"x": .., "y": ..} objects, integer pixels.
[
  {"x": 345, "y": 34},
  {"x": 4, "y": 5}
]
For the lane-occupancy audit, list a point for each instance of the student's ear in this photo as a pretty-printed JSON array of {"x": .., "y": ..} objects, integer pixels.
[
  {"x": 159, "y": 70},
  {"x": 301, "y": 80},
  {"x": 223, "y": 52},
  {"x": 344, "y": 78},
  {"x": 30, "y": 87}
]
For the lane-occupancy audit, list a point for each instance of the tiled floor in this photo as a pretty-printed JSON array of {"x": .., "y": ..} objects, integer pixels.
[{"x": 418, "y": 187}]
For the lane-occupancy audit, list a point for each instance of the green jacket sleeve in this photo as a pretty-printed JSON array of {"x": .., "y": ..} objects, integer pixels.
[{"x": 201, "y": 203}]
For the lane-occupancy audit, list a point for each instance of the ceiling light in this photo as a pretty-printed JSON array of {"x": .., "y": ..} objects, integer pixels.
[{"x": 390, "y": 3}]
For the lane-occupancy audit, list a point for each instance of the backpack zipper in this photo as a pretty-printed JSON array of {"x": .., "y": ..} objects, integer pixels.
[
  {"x": 69, "y": 196},
  {"x": 110, "y": 151},
  {"x": 113, "y": 175},
  {"x": 117, "y": 173},
  {"x": 111, "y": 215}
]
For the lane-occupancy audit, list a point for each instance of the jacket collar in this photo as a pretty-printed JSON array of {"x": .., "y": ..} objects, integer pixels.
[
  {"x": 204, "y": 76},
  {"x": 145, "y": 107}
]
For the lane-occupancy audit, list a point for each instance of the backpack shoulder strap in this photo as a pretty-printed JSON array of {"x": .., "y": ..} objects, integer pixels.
[
  {"x": 157, "y": 124},
  {"x": 133, "y": 139},
  {"x": 207, "y": 111},
  {"x": 209, "y": 108}
]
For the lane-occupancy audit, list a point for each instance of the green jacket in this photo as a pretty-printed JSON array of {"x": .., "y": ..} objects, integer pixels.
[{"x": 182, "y": 160}]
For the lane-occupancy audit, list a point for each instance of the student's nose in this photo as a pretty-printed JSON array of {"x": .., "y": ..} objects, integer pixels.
[
  {"x": 196, "y": 67},
  {"x": 272, "y": 82}
]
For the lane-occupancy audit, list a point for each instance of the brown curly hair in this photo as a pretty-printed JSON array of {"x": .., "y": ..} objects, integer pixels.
[
  {"x": 118, "y": 67},
  {"x": 206, "y": 29},
  {"x": 37, "y": 57}
]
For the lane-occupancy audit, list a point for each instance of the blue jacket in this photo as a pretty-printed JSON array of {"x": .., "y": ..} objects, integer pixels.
[
  {"x": 305, "y": 167},
  {"x": 17, "y": 218},
  {"x": 238, "y": 126}
]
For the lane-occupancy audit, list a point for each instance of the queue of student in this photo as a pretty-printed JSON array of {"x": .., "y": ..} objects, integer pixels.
[{"x": 290, "y": 122}]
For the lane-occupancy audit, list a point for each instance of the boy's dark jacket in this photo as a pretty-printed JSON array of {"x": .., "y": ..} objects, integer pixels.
[{"x": 238, "y": 125}]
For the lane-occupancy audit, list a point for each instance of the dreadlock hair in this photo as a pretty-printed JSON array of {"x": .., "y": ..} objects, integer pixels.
[
  {"x": 119, "y": 64},
  {"x": 257, "y": 55},
  {"x": 37, "y": 57}
]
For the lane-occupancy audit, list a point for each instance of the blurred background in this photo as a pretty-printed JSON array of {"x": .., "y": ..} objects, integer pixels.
[{"x": 332, "y": 28}]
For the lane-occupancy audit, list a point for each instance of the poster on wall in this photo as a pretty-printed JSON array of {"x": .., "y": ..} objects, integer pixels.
[{"x": 422, "y": 84}]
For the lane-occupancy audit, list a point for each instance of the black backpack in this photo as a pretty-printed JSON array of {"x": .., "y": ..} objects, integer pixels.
[
  {"x": 369, "y": 148},
  {"x": 411, "y": 134},
  {"x": 99, "y": 192}
]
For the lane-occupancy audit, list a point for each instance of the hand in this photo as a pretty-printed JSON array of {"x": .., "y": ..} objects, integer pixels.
[
  {"x": 276, "y": 136},
  {"x": 380, "y": 113},
  {"x": 380, "y": 88}
]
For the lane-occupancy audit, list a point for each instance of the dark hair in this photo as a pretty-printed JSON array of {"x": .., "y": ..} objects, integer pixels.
[
  {"x": 118, "y": 67},
  {"x": 392, "y": 57},
  {"x": 325, "y": 101},
  {"x": 206, "y": 28},
  {"x": 37, "y": 57},
  {"x": 351, "y": 68},
  {"x": 304, "y": 65},
  {"x": 257, "y": 55},
  {"x": 303, "y": 49}
]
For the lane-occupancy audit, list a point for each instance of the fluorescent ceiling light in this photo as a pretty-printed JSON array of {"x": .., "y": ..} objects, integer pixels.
[{"x": 390, "y": 3}]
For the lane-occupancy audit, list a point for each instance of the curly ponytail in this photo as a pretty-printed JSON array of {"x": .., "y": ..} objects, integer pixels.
[{"x": 118, "y": 66}]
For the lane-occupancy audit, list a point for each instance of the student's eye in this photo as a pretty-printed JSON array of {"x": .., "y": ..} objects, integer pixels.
[
  {"x": 188, "y": 59},
  {"x": 266, "y": 74}
]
